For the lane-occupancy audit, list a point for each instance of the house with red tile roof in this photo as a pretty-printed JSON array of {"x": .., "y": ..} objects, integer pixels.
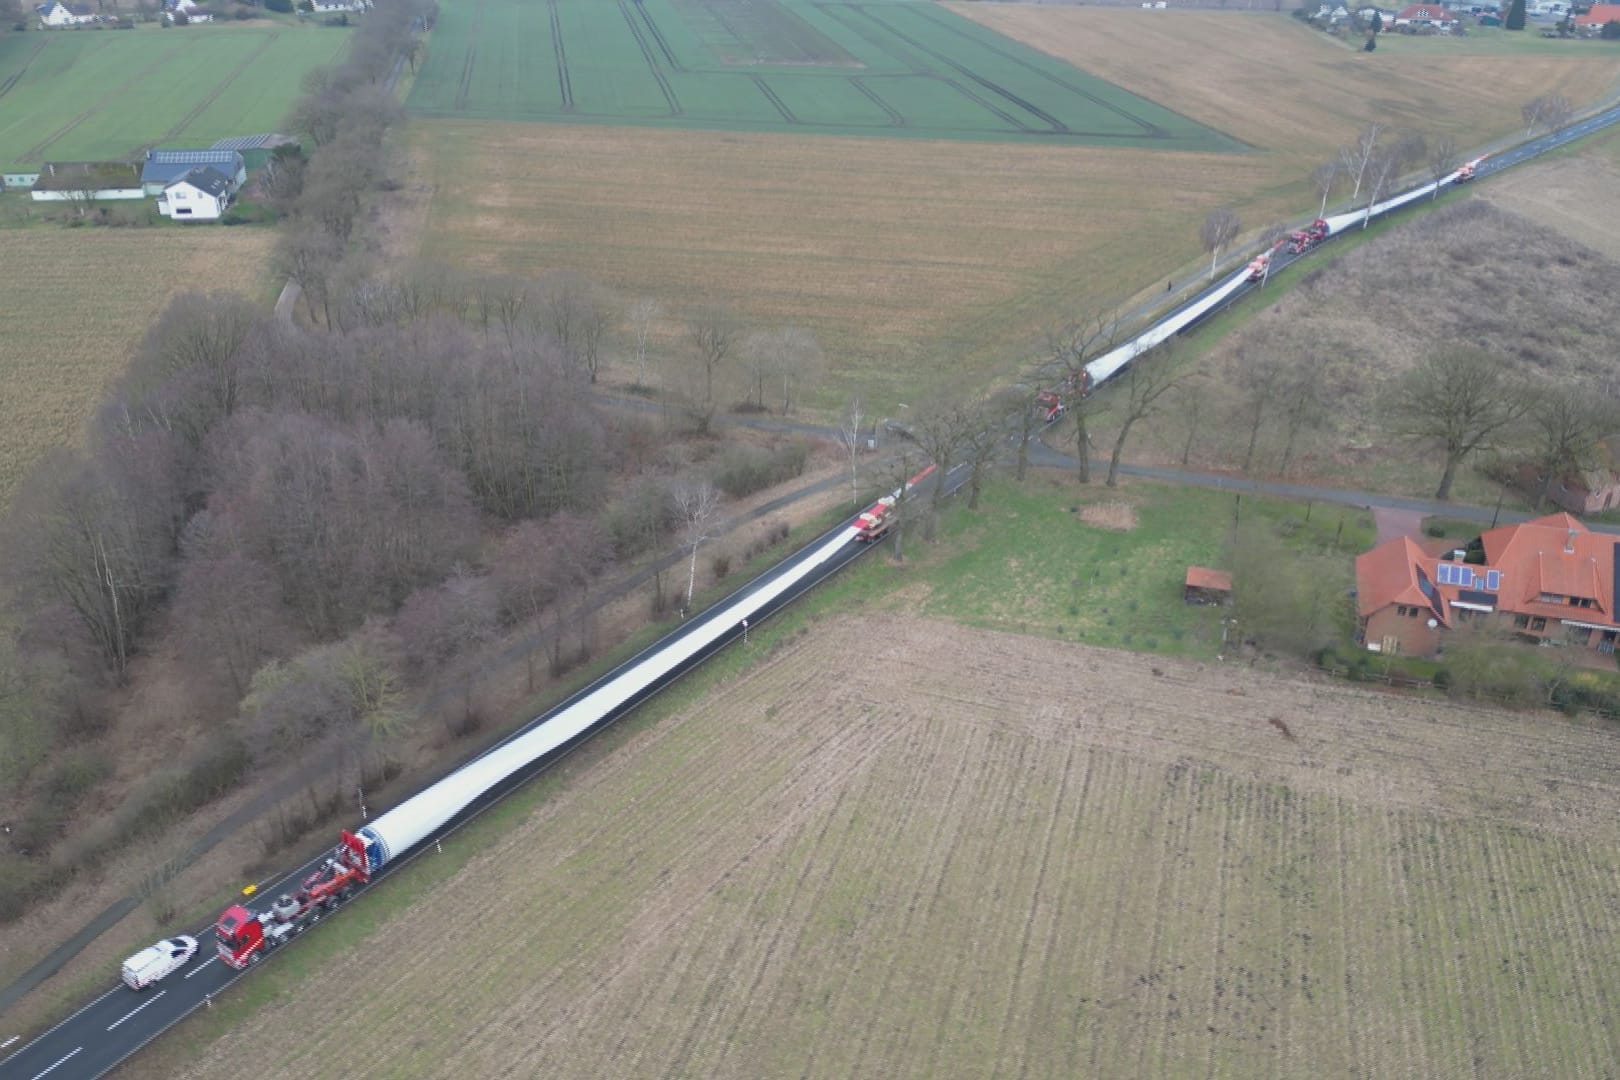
[
  {"x": 1425, "y": 15},
  {"x": 1599, "y": 15},
  {"x": 1550, "y": 579}
]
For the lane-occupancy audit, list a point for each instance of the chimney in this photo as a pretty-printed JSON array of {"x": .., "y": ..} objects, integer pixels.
[{"x": 1569, "y": 542}]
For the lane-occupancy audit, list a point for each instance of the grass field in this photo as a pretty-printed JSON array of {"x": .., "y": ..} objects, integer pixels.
[
  {"x": 1106, "y": 567},
  {"x": 77, "y": 302},
  {"x": 913, "y": 259},
  {"x": 899, "y": 847},
  {"x": 88, "y": 95},
  {"x": 883, "y": 67}
]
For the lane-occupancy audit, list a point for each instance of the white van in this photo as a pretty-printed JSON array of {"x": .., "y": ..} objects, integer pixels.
[{"x": 156, "y": 961}]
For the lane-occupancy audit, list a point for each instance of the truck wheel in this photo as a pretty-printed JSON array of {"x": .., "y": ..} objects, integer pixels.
[
  {"x": 254, "y": 958},
  {"x": 346, "y": 894}
]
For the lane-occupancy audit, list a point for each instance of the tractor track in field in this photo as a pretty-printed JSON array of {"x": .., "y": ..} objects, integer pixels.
[
  {"x": 658, "y": 75},
  {"x": 895, "y": 118},
  {"x": 213, "y": 95},
  {"x": 564, "y": 84},
  {"x": 658, "y": 36},
  {"x": 5, "y": 87},
  {"x": 469, "y": 62},
  {"x": 1056, "y": 126},
  {"x": 39, "y": 148},
  {"x": 771, "y": 96},
  {"x": 1150, "y": 129}
]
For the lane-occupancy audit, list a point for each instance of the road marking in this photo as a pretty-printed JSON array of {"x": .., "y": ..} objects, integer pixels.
[
  {"x": 200, "y": 966},
  {"x": 38, "y": 1075},
  {"x": 137, "y": 1009},
  {"x": 9, "y": 1041}
]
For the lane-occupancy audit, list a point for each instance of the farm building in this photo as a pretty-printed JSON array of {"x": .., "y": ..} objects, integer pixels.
[
  {"x": 202, "y": 194},
  {"x": 1550, "y": 581},
  {"x": 164, "y": 167},
  {"x": 57, "y": 13},
  {"x": 255, "y": 149},
  {"x": 1206, "y": 586},
  {"x": 83, "y": 181},
  {"x": 18, "y": 179},
  {"x": 321, "y": 7}
]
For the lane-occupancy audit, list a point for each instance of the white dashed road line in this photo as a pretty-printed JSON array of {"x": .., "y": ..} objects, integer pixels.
[
  {"x": 200, "y": 966},
  {"x": 76, "y": 1050},
  {"x": 137, "y": 1009}
]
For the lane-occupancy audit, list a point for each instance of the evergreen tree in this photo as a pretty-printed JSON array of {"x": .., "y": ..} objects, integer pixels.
[{"x": 1515, "y": 16}]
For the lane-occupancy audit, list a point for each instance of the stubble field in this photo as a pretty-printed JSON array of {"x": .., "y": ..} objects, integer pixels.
[
  {"x": 914, "y": 258},
  {"x": 78, "y": 301},
  {"x": 903, "y": 848}
]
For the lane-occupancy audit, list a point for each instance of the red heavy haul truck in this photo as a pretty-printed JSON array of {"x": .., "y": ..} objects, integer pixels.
[{"x": 243, "y": 936}]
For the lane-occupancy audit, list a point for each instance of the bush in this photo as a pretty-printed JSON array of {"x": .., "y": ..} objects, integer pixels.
[
  {"x": 720, "y": 563},
  {"x": 743, "y": 470}
]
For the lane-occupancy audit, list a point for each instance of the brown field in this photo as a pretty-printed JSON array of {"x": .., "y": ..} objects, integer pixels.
[
  {"x": 896, "y": 252},
  {"x": 1562, "y": 194},
  {"x": 903, "y": 848},
  {"x": 76, "y": 303},
  {"x": 1295, "y": 93},
  {"x": 911, "y": 257}
]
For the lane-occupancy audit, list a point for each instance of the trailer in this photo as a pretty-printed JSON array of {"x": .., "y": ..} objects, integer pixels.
[{"x": 243, "y": 937}]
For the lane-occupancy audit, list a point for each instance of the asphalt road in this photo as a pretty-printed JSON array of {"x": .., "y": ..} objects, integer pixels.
[{"x": 118, "y": 1023}]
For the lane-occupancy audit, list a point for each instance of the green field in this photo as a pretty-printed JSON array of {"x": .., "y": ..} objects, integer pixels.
[
  {"x": 891, "y": 67},
  {"x": 93, "y": 95}
]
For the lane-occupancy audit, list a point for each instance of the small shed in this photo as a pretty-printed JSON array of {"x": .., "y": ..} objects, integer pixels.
[{"x": 1206, "y": 586}]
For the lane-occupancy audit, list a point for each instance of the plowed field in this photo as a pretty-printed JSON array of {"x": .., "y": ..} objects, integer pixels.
[{"x": 905, "y": 848}]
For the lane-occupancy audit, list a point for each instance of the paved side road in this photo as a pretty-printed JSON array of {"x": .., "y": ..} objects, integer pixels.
[{"x": 1045, "y": 456}]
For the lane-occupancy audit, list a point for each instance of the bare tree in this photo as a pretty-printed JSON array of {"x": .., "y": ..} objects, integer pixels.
[
  {"x": 850, "y": 438},
  {"x": 439, "y": 621},
  {"x": 1552, "y": 110},
  {"x": 1144, "y": 382},
  {"x": 1458, "y": 400},
  {"x": 1443, "y": 155},
  {"x": 1356, "y": 158},
  {"x": 577, "y": 316},
  {"x": 1324, "y": 179},
  {"x": 1258, "y": 379},
  {"x": 644, "y": 312},
  {"x": 1072, "y": 348},
  {"x": 539, "y": 566},
  {"x": 1568, "y": 423},
  {"x": 1302, "y": 395},
  {"x": 1220, "y": 228},
  {"x": 308, "y": 255},
  {"x": 713, "y": 335},
  {"x": 981, "y": 442},
  {"x": 1019, "y": 406},
  {"x": 697, "y": 507},
  {"x": 942, "y": 427},
  {"x": 1386, "y": 167},
  {"x": 793, "y": 361},
  {"x": 228, "y": 609},
  {"x": 81, "y": 536}
]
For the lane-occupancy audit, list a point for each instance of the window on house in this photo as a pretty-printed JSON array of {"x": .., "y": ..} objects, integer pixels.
[
  {"x": 1551, "y": 598},
  {"x": 182, "y": 209},
  {"x": 1521, "y": 621},
  {"x": 1538, "y": 623},
  {"x": 1580, "y": 635}
]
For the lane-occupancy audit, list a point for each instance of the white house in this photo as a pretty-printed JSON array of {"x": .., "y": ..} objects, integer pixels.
[
  {"x": 202, "y": 194},
  {"x": 56, "y": 13},
  {"x": 320, "y": 7}
]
